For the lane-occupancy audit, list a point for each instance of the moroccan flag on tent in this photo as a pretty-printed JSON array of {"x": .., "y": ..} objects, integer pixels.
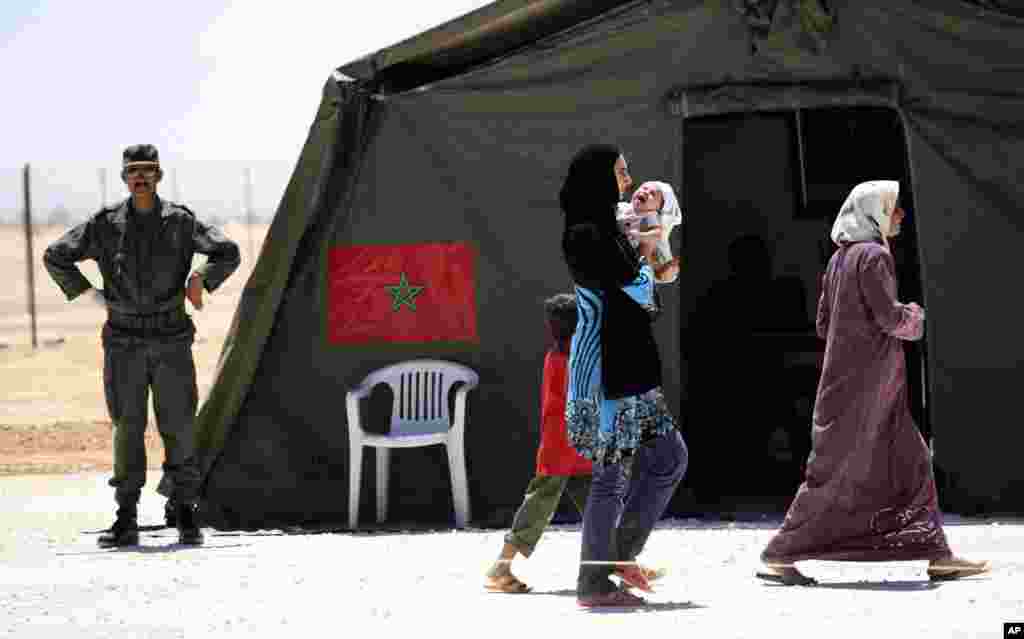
[{"x": 402, "y": 293}]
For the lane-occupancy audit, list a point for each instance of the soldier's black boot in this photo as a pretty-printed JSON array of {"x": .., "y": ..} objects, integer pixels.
[
  {"x": 188, "y": 525},
  {"x": 125, "y": 530},
  {"x": 171, "y": 514}
]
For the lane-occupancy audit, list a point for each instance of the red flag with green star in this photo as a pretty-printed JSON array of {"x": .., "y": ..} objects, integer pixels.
[{"x": 402, "y": 293}]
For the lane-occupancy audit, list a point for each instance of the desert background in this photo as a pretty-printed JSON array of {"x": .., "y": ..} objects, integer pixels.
[{"x": 53, "y": 416}]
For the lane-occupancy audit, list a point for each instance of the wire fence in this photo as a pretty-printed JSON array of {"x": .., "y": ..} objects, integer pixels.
[
  {"x": 39, "y": 204},
  {"x": 220, "y": 192}
]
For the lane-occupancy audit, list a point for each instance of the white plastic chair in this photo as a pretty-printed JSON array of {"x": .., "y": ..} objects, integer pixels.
[{"x": 419, "y": 417}]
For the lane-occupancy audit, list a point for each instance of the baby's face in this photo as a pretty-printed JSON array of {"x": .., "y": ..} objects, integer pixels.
[{"x": 647, "y": 198}]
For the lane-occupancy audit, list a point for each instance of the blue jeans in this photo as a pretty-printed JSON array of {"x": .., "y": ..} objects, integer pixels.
[{"x": 626, "y": 500}]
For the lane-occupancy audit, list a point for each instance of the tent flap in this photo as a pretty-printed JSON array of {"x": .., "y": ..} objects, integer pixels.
[{"x": 332, "y": 148}]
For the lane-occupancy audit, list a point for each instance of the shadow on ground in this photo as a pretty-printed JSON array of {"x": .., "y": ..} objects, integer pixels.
[
  {"x": 649, "y": 607},
  {"x": 151, "y": 550},
  {"x": 878, "y": 586}
]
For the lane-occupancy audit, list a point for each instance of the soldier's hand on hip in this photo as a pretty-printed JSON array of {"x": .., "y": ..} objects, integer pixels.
[{"x": 194, "y": 291}]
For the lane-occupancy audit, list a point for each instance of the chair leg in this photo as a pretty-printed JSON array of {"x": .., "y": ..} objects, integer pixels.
[
  {"x": 460, "y": 486},
  {"x": 383, "y": 475},
  {"x": 355, "y": 469}
]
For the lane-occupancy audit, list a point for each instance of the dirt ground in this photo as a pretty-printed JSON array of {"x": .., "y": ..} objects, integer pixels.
[
  {"x": 53, "y": 416},
  {"x": 55, "y": 582},
  {"x": 64, "y": 448}
]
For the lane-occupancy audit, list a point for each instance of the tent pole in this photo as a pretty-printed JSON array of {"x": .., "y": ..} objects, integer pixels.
[{"x": 800, "y": 158}]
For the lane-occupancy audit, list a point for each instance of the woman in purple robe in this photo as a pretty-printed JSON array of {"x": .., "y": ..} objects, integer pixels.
[{"x": 868, "y": 492}]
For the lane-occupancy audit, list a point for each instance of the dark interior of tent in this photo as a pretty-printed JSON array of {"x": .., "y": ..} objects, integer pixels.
[{"x": 761, "y": 191}]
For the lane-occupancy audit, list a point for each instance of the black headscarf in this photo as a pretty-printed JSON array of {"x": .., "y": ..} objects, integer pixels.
[
  {"x": 595, "y": 249},
  {"x": 590, "y": 191}
]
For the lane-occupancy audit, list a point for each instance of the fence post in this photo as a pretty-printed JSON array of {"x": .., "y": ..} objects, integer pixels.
[
  {"x": 28, "y": 255},
  {"x": 103, "y": 187},
  {"x": 247, "y": 203}
]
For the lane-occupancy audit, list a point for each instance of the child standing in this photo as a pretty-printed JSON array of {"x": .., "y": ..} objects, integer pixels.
[{"x": 559, "y": 467}]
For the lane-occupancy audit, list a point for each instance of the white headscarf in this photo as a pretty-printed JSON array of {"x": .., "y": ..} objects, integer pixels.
[
  {"x": 866, "y": 215},
  {"x": 668, "y": 217},
  {"x": 671, "y": 212}
]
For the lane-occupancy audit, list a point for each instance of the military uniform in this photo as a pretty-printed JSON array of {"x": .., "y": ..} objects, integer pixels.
[{"x": 145, "y": 260}]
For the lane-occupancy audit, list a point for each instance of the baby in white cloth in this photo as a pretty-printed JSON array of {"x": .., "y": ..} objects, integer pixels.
[{"x": 647, "y": 220}]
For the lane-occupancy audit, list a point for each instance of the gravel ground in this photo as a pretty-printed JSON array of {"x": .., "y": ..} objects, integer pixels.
[{"x": 55, "y": 582}]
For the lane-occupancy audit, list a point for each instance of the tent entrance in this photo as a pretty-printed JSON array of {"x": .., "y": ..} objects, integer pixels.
[{"x": 761, "y": 190}]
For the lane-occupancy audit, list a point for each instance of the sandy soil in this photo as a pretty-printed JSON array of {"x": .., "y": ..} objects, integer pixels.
[
  {"x": 55, "y": 582},
  {"x": 64, "y": 447},
  {"x": 53, "y": 416}
]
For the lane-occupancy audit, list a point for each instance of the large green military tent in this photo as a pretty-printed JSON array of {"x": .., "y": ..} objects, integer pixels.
[{"x": 763, "y": 113}]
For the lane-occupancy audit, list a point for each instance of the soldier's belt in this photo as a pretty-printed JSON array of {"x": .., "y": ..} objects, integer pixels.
[{"x": 175, "y": 303}]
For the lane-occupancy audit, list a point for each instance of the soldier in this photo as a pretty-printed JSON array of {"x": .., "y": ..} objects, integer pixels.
[{"x": 144, "y": 248}]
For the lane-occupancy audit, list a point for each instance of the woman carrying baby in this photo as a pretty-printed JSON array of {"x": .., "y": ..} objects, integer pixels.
[{"x": 616, "y": 414}]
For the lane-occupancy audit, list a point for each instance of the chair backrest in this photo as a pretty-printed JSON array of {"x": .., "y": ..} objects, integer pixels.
[{"x": 420, "y": 388}]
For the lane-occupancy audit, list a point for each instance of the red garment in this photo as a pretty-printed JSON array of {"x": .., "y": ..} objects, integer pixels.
[
  {"x": 869, "y": 493},
  {"x": 555, "y": 456}
]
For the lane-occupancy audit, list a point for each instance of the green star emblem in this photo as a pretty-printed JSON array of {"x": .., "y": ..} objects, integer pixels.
[{"x": 404, "y": 294}]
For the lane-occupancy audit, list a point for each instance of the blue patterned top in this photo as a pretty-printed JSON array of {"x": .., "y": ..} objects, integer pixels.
[{"x": 606, "y": 430}]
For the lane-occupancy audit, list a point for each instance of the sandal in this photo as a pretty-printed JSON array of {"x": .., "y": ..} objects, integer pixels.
[
  {"x": 507, "y": 584},
  {"x": 956, "y": 568},
  {"x": 635, "y": 577},
  {"x": 653, "y": 574},
  {"x": 786, "y": 575}
]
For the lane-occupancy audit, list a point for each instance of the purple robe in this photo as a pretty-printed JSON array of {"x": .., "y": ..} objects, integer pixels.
[{"x": 869, "y": 492}]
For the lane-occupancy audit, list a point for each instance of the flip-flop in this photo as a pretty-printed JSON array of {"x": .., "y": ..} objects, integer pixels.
[
  {"x": 952, "y": 572},
  {"x": 507, "y": 584},
  {"x": 788, "y": 579},
  {"x": 634, "y": 577},
  {"x": 653, "y": 574}
]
